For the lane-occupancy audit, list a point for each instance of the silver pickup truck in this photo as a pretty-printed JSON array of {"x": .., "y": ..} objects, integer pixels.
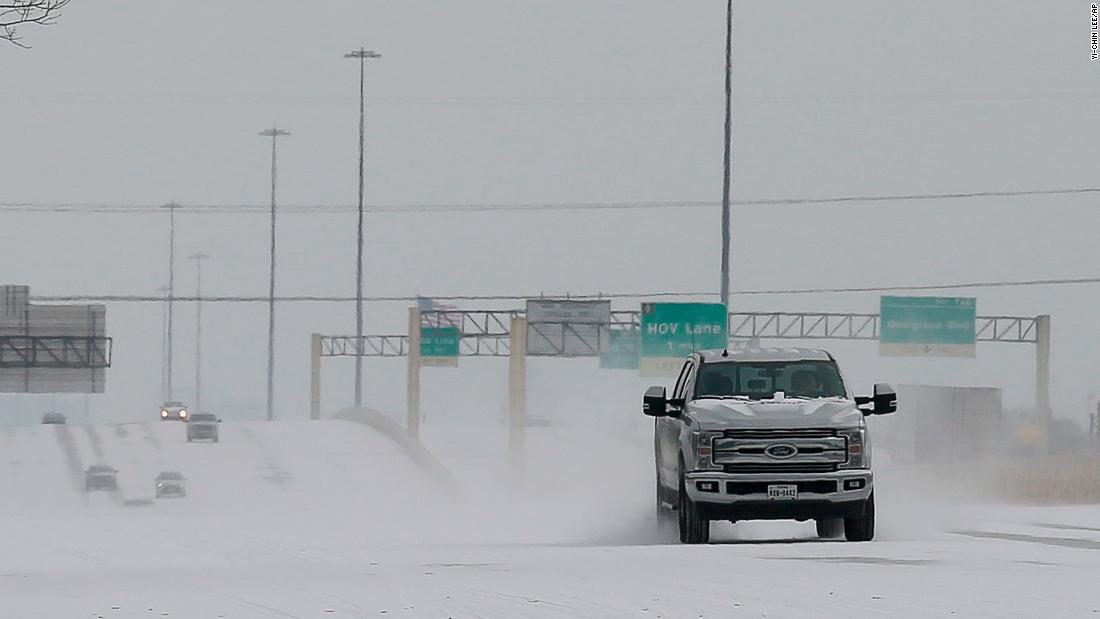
[{"x": 765, "y": 434}]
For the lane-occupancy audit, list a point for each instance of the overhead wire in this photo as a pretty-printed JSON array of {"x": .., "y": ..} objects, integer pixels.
[
  {"x": 109, "y": 207},
  {"x": 129, "y": 298}
]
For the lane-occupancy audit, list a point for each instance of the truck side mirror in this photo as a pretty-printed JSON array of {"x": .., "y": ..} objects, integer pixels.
[
  {"x": 885, "y": 399},
  {"x": 655, "y": 402}
]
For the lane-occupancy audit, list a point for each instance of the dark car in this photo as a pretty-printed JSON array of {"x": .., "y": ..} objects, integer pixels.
[
  {"x": 53, "y": 419},
  {"x": 100, "y": 477},
  {"x": 170, "y": 484},
  {"x": 203, "y": 426}
]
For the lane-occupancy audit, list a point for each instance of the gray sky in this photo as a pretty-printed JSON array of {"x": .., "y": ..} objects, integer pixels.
[{"x": 565, "y": 101}]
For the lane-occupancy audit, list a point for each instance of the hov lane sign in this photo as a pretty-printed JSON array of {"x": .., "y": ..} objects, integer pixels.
[
  {"x": 927, "y": 327},
  {"x": 672, "y": 331}
]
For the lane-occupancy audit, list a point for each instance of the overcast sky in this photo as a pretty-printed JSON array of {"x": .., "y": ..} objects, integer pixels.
[{"x": 483, "y": 102}]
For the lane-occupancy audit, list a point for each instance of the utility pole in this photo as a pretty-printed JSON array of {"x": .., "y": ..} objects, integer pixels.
[
  {"x": 163, "y": 290},
  {"x": 726, "y": 158},
  {"x": 362, "y": 55},
  {"x": 198, "y": 258},
  {"x": 171, "y": 206},
  {"x": 274, "y": 133}
]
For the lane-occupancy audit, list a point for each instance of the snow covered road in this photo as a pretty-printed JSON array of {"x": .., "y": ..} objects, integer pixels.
[{"x": 329, "y": 519}]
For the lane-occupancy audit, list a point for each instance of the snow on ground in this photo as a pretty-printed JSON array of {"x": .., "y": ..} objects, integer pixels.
[{"x": 329, "y": 519}]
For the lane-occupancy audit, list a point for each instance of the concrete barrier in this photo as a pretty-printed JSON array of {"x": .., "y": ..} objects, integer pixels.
[{"x": 414, "y": 448}]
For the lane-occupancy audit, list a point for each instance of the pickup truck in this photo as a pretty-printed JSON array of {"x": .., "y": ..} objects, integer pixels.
[{"x": 765, "y": 434}]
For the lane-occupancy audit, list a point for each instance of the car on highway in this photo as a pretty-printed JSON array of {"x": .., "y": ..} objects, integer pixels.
[
  {"x": 203, "y": 426},
  {"x": 54, "y": 419},
  {"x": 765, "y": 434},
  {"x": 100, "y": 477},
  {"x": 174, "y": 411},
  {"x": 170, "y": 484}
]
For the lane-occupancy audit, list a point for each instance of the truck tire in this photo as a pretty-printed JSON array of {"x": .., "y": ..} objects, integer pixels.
[
  {"x": 862, "y": 528},
  {"x": 694, "y": 526},
  {"x": 829, "y": 528}
]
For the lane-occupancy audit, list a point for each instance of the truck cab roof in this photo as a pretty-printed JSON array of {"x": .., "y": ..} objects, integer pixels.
[{"x": 764, "y": 354}]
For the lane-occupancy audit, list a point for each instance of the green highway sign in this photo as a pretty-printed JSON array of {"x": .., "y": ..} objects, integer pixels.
[
  {"x": 927, "y": 326},
  {"x": 439, "y": 346},
  {"x": 672, "y": 331},
  {"x": 622, "y": 350}
]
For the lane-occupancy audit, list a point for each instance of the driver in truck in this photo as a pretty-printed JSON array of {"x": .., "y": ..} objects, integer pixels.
[{"x": 805, "y": 383}]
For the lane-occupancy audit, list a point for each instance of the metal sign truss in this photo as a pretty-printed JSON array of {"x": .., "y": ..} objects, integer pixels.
[
  {"x": 57, "y": 352},
  {"x": 820, "y": 326},
  {"x": 485, "y": 333}
]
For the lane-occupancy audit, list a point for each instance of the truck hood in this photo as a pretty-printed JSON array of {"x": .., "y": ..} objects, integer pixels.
[{"x": 723, "y": 414}]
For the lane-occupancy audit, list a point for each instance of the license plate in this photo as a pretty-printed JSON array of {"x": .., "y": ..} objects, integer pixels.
[{"x": 783, "y": 491}]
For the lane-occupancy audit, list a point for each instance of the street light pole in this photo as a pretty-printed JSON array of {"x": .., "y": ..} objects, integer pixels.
[
  {"x": 171, "y": 206},
  {"x": 198, "y": 258},
  {"x": 362, "y": 55},
  {"x": 274, "y": 133},
  {"x": 726, "y": 158},
  {"x": 163, "y": 290}
]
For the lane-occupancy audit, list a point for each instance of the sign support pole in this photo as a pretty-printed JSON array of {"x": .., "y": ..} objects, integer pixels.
[
  {"x": 412, "y": 396},
  {"x": 517, "y": 398},
  {"x": 315, "y": 377},
  {"x": 1042, "y": 379}
]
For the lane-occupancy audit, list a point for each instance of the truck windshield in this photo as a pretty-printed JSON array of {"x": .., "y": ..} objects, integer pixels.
[{"x": 758, "y": 380}]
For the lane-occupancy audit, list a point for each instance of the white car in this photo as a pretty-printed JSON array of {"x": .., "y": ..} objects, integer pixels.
[{"x": 174, "y": 411}]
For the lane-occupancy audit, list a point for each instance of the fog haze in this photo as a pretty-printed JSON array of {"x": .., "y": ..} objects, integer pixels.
[{"x": 478, "y": 102}]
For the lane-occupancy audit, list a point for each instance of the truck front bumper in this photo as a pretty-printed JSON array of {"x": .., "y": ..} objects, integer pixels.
[{"x": 742, "y": 496}]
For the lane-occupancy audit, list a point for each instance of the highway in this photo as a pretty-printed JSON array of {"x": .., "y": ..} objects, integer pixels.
[{"x": 332, "y": 519}]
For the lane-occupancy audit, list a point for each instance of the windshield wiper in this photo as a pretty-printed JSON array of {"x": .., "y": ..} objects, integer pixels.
[{"x": 743, "y": 398}]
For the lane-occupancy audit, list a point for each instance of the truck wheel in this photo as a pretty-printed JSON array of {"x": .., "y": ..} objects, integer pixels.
[
  {"x": 694, "y": 526},
  {"x": 829, "y": 528},
  {"x": 862, "y": 528}
]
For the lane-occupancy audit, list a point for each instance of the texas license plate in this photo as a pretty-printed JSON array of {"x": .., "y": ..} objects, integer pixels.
[{"x": 783, "y": 491}]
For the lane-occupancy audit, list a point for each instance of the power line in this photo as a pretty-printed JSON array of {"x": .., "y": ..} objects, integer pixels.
[
  {"x": 107, "y": 207},
  {"x": 120, "y": 298}
]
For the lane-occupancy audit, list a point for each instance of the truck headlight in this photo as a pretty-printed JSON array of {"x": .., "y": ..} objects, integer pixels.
[
  {"x": 702, "y": 444},
  {"x": 858, "y": 458},
  {"x": 163, "y": 413}
]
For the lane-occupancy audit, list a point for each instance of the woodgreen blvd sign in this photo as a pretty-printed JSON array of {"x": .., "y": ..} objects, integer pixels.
[
  {"x": 672, "y": 331},
  {"x": 927, "y": 327}
]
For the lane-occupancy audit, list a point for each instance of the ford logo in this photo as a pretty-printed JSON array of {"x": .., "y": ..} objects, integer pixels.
[{"x": 781, "y": 451}]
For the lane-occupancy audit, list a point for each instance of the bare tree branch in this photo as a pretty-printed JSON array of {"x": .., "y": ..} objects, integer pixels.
[{"x": 15, "y": 13}]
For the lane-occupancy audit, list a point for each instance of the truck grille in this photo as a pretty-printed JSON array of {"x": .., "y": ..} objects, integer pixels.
[
  {"x": 811, "y": 450},
  {"x": 779, "y": 468}
]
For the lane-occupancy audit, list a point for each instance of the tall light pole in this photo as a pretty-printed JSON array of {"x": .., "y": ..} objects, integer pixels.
[
  {"x": 171, "y": 206},
  {"x": 726, "y": 158},
  {"x": 362, "y": 55},
  {"x": 198, "y": 258},
  {"x": 163, "y": 290},
  {"x": 274, "y": 133}
]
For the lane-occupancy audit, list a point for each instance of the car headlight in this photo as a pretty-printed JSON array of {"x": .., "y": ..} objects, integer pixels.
[
  {"x": 858, "y": 458},
  {"x": 703, "y": 447},
  {"x": 183, "y": 413},
  {"x": 163, "y": 413}
]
